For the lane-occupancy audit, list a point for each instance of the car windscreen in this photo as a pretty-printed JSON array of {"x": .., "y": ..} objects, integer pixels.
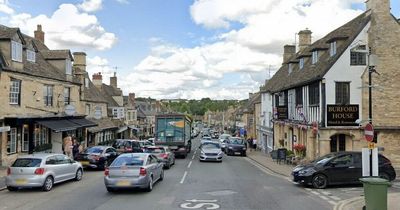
[
  {"x": 128, "y": 161},
  {"x": 27, "y": 162},
  {"x": 324, "y": 159},
  {"x": 155, "y": 150},
  {"x": 236, "y": 141},
  {"x": 210, "y": 146},
  {"x": 94, "y": 150}
]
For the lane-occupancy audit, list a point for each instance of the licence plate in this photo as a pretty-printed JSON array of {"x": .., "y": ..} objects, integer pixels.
[
  {"x": 237, "y": 153},
  {"x": 84, "y": 163},
  {"x": 123, "y": 183},
  {"x": 21, "y": 181}
]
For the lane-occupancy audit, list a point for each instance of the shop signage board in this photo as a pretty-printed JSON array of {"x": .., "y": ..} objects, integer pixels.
[
  {"x": 282, "y": 112},
  {"x": 342, "y": 115}
]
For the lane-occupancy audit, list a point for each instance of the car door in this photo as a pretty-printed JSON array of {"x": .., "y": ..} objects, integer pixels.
[
  {"x": 158, "y": 165},
  {"x": 356, "y": 168},
  {"x": 55, "y": 168},
  {"x": 339, "y": 169},
  {"x": 67, "y": 169}
]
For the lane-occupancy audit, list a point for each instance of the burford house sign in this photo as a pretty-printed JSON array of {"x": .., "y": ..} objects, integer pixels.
[{"x": 342, "y": 115}]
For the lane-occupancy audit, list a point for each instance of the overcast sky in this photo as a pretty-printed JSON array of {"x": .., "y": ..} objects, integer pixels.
[{"x": 222, "y": 49}]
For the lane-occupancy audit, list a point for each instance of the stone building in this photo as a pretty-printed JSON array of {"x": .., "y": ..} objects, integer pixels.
[
  {"x": 40, "y": 101},
  {"x": 321, "y": 91}
]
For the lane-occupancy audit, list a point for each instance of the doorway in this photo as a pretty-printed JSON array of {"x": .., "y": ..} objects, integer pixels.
[{"x": 338, "y": 143}]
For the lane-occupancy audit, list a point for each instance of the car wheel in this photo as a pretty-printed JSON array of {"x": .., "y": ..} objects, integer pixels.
[
  {"x": 162, "y": 175},
  {"x": 168, "y": 166},
  {"x": 320, "y": 181},
  {"x": 48, "y": 184},
  {"x": 384, "y": 175},
  {"x": 150, "y": 184},
  {"x": 9, "y": 188},
  {"x": 110, "y": 189},
  {"x": 78, "y": 175}
]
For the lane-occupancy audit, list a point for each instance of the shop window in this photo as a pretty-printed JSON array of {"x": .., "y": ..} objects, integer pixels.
[
  {"x": 338, "y": 143},
  {"x": 12, "y": 141},
  {"x": 40, "y": 136}
]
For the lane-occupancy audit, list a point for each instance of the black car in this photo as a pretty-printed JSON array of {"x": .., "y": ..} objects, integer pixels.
[
  {"x": 97, "y": 156},
  {"x": 338, "y": 168},
  {"x": 236, "y": 145},
  {"x": 127, "y": 146}
]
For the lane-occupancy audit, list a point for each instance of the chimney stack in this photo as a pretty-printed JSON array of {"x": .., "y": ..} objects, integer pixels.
[
  {"x": 113, "y": 80},
  {"x": 97, "y": 80},
  {"x": 288, "y": 51},
  {"x": 380, "y": 7},
  {"x": 131, "y": 99},
  {"x": 80, "y": 61},
  {"x": 39, "y": 34},
  {"x": 304, "y": 39}
]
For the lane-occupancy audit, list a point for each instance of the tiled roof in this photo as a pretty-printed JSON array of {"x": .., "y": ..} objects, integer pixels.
[
  {"x": 92, "y": 94},
  {"x": 108, "y": 92},
  {"x": 282, "y": 80},
  {"x": 57, "y": 54},
  {"x": 102, "y": 124}
]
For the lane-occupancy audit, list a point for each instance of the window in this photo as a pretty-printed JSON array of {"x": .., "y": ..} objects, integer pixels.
[
  {"x": 338, "y": 143},
  {"x": 40, "y": 136},
  {"x": 25, "y": 138},
  {"x": 67, "y": 96},
  {"x": 98, "y": 111},
  {"x": 301, "y": 64},
  {"x": 290, "y": 68},
  {"x": 299, "y": 96},
  {"x": 342, "y": 92},
  {"x": 313, "y": 94},
  {"x": 332, "y": 49},
  {"x": 87, "y": 109},
  {"x": 314, "y": 57},
  {"x": 16, "y": 51},
  {"x": 358, "y": 58},
  {"x": 281, "y": 99},
  {"x": 118, "y": 113},
  {"x": 12, "y": 141},
  {"x": 115, "y": 113},
  {"x": 15, "y": 92},
  {"x": 68, "y": 67},
  {"x": 30, "y": 56},
  {"x": 86, "y": 82},
  {"x": 48, "y": 95}
]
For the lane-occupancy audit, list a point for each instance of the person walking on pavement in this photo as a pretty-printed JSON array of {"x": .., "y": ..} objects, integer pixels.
[
  {"x": 255, "y": 144},
  {"x": 250, "y": 142},
  {"x": 75, "y": 148}
]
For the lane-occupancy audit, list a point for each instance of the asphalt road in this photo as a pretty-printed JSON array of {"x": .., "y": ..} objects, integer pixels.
[{"x": 233, "y": 184}]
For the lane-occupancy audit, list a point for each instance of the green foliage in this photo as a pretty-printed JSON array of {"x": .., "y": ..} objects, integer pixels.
[{"x": 199, "y": 107}]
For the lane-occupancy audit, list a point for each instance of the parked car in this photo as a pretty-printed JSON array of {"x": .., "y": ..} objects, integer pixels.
[
  {"x": 235, "y": 145},
  {"x": 338, "y": 168},
  {"x": 163, "y": 153},
  {"x": 97, "y": 156},
  {"x": 210, "y": 151},
  {"x": 145, "y": 143},
  {"x": 42, "y": 170},
  {"x": 134, "y": 170},
  {"x": 127, "y": 146}
]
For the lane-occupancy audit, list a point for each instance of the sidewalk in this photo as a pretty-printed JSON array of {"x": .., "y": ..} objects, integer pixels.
[
  {"x": 266, "y": 161},
  {"x": 358, "y": 202}
]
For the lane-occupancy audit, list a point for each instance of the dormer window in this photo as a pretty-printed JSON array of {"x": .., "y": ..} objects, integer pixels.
[
  {"x": 31, "y": 56},
  {"x": 314, "y": 57},
  {"x": 301, "y": 63},
  {"x": 68, "y": 67},
  {"x": 16, "y": 51},
  {"x": 290, "y": 68},
  {"x": 332, "y": 48}
]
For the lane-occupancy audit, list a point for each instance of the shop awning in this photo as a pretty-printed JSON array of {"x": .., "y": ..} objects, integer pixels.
[
  {"x": 83, "y": 122},
  {"x": 122, "y": 129},
  {"x": 59, "y": 125}
]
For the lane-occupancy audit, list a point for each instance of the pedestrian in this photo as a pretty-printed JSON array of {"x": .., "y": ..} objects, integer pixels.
[
  {"x": 75, "y": 148},
  {"x": 67, "y": 142},
  {"x": 255, "y": 144},
  {"x": 250, "y": 142}
]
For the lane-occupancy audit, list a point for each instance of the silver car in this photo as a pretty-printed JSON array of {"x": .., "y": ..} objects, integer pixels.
[
  {"x": 42, "y": 170},
  {"x": 133, "y": 170},
  {"x": 211, "y": 151}
]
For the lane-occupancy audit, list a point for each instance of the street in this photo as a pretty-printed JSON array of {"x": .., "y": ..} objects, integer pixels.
[{"x": 190, "y": 184}]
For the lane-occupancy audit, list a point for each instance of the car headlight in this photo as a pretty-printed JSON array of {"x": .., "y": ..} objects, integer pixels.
[
  {"x": 306, "y": 172},
  {"x": 244, "y": 148},
  {"x": 230, "y": 147},
  {"x": 202, "y": 153}
]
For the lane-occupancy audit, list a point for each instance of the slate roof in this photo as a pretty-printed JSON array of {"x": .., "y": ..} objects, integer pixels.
[
  {"x": 282, "y": 80},
  {"x": 57, "y": 54},
  {"x": 39, "y": 68},
  {"x": 102, "y": 124},
  {"x": 108, "y": 92},
  {"x": 92, "y": 94}
]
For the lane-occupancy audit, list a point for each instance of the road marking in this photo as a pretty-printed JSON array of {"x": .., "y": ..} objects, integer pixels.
[
  {"x": 325, "y": 193},
  {"x": 190, "y": 163},
  {"x": 335, "y": 198},
  {"x": 323, "y": 197},
  {"x": 183, "y": 178},
  {"x": 315, "y": 193},
  {"x": 200, "y": 204},
  {"x": 194, "y": 152}
]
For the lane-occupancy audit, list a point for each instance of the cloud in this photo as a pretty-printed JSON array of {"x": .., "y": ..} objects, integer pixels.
[
  {"x": 5, "y": 8},
  {"x": 79, "y": 30},
  {"x": 91, "y": 5},
  {"x": 101, "y": 65},
  {"x": 249, "y": 49}
]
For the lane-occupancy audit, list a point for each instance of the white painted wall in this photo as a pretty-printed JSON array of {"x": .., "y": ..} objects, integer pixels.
[
  {"x": 266, "y": 110},
  {"x": 342, "y": 71},
  {"x": 56, "y": 141}
]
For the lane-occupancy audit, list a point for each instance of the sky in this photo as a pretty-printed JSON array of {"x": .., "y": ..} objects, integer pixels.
[{"x": 188, "y": 49}]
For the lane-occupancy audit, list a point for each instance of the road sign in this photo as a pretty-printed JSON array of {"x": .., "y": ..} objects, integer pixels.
[
  {"x": 369, "y": 132},
  {"x": 371, "y": 145}
]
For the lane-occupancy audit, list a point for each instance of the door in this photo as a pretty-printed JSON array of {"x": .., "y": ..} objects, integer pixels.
[
  {"x": 67, "y": 169},
  {"x": 340, "y": 169}
]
